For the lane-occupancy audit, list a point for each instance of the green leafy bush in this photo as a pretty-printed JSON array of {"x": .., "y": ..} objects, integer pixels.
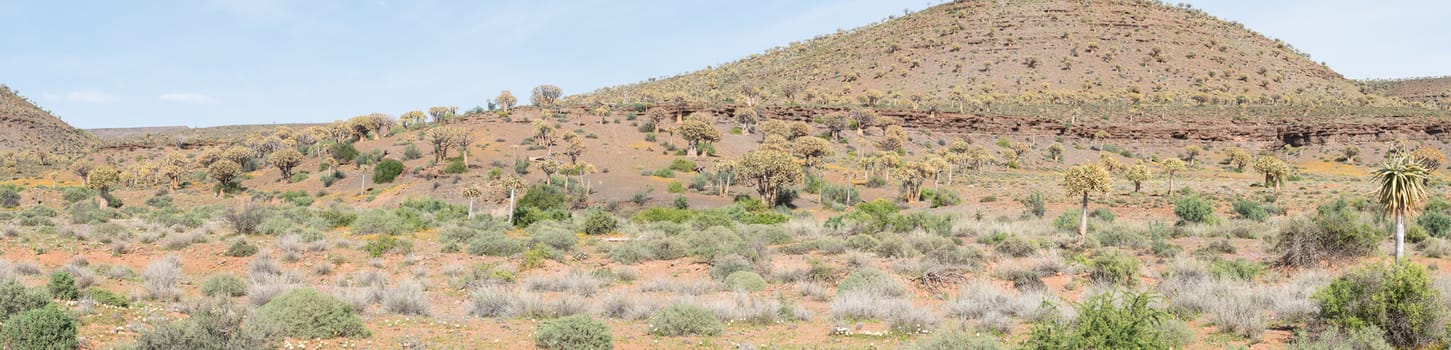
[
  {"x": 957, "y": 341},
  {"x": 494, "y": 244},
  {"x": 107, "y": 297},
  {"x": 1398, "y": 299},
  {"x": 307, "y": 313},
  {"x": 745, "y": 281},
  {"x": 45, "y": 328},
  {"x": 1251, "y": 210},
  {"x": 208, "y": 327},
  {"x": 1110, "y": 321},
  {"x": 387, "y": 244},
  {"x": 1113, "y": 267},
  {"x": 225, "y": 285},
  {"x": 663, "y": 214},
  {"x": 871, "y": 281},
  {"x": 682, "y": 165},
  {"x": 241, "y": 249},
  {"x": 685, "y": 319},
  {"x": 1438, "y": 223},
  {"x": 63, "y": 286},
  {"x": 9, "y": 197},
  {"x": 1335, "y": 232},
  {"x": 387, "y": 170},
  {"x": 15, "y": 298},
  {"x": 575, "y": 332},
  {"x": 1194, "y": 209},
  {"x": 456, "y": 166},
  {"x": 599, "y": 222}
]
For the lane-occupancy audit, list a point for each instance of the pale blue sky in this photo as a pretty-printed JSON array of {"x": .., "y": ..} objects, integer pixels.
[{"x": 215, "y": 62}]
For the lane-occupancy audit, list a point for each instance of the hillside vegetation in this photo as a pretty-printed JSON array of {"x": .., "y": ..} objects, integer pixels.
[
  {"x": 1429, "y": 92},
  {"x": 26, "y": 127},
  {"x": 1100, "y": 58}
]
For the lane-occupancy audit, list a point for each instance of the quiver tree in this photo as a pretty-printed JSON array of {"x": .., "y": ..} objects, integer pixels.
[
  {"x": 506, "y": 100},
  {"x": 914, "y": 174},
  {"x": 442, "y": 139},
  {"x": 83, "y": 169},
  {"x": 1429, "y": 157},
  {"x": 769, "y": 171},
  {"x": 549, "y": 167},
  {"x": 172, "y": 167},
  {"x": 511, "y": 185},
  {"x": 471, "y": 192},
  {"x": 1172, "y": 166},
  {"x": 1082, "y": 180},
  {"x": 1274, "y": 169},
  {"x": 811, "y": 150},
  {"x": 862, "y": 119},
  {"x": 1138, "y": 173},
  {"x": 603, "y": 111},
  {"x": 102, "y": 179},
  {"x": 462, "y": 139},
  {"x": 545, "y": 135},
  {"x": 574, "y": 147},
  {"x": 285, "y": 160},
  {"x": 725, "y": 173},
  {"x": 411, "y": 119},
  {"x": 747, "y": 119},
  {"x": 1110, "y": 162},
  {"x": 1237, "y": 157},
  {"x": 696, "y": 132},
  {"x": 655, "y": 116},
  {"x": 441, "y": 114},
  {"x": 223, "y": 171},
  {"x": 545, "y": 95},
  {"x": 1400, "y": 191},
  {"x": 835, "y": 123},
  {"x": 1055, "y": 152}
]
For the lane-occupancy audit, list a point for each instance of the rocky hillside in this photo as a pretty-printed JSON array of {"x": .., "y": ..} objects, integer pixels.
[
  {"x": 26, "y": 127},
  {"x": 1430, "y": 92},
  {"x": 1100, "y": 58}
]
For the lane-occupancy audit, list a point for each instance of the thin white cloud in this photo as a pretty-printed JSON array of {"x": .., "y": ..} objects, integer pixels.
[
  {"x": 91, "y": 96},
  {"x": 187, "y": 97}
]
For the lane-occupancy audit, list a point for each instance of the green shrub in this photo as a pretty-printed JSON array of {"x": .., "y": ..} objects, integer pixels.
[
  {"x": 675, "y": 187},
  {"x": 225, "y": 285},
  {"x": 871, "y": 281},
  {"x": 1238, "y": 269},
  {"x": 1398, "y": 299},
  {"x": 387, "y": 244},
  {"x": 76, "y": 194},
  {"x": 1035, "y": 204},
  {"x": 1335, "y": 232},
  {"x": 682, "y": 165},
  {"x": 1251, "y": 210},
  {"x": 1015, "y": 246},
  {"x": 15, "y": 298},
  {"x": 107, "y": 297},
  {"x": 1439, "y": 224},
  {"x": 63, "y": 286},
  {"x": 44, "y": 328},
  {"x": 387, "y": 170},
  {"x": 555, "y": 237},
  {"x": 745, "y": 281},
  {"x": 664, "y": 173},
  {"x": 1194, "y": 209},
  {"x": 629, "y": 252},
  {"x": 957, "y": 341},
  {"x": 298, "y": 177},
  {"x": 577, "y": 332},
  {"x": 344, "y": 152},
  {"x": 1069, "y": 219},
  {"x": 1103, "y": 214},
  {"x": 306, "y": 313},
  {"x": 1365, "y": 338},
  {"x": 387, "y": 222},
  {"x": 660, "y": 214},
  {"x": 9, "y": 198},
  {"x": 241, "y": 249},
  {"x": 683, "y": 320},
  {"x": 599, "y": 222},
  {"x": 1113, "y": 267},
  {"x": 456, "y": 166},
  {"x": 208, "y": 327},
  {"x": 1109, "y": 321},
  {"x": 494, "y": 244}
]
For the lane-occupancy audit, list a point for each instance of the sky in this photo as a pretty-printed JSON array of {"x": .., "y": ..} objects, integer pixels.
[{"x": 101, "y": 63}]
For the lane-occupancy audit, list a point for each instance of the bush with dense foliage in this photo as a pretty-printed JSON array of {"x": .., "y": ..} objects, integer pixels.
[
  {"x": 577, "y": 332},
  {"x": 1398, "y": 299},
  {"x": 208, "y": 327},
  {"x": 307, "y": 313},
  {"x": 685, "y": 319},
  {"x": 15, "y": 298},
  {"x": 1194, "y": 209},
  {"x": 746, "y": 281},
  {"x": 599, "y": 222},
  {"x": 1114, "y": 268},
  {"x": 387, "y": 170},
  {"x": 45, "y": 328},
  {"x": 1335, "y": 232},
  {"x": 224, "y": 285},
  {"x": 63, "y": 286},
  {"x": 1110, "y": 321}
]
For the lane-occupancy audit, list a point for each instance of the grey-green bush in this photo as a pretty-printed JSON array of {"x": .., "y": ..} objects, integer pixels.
[
  {"x": 46, "y": 328},
  {"x": 745, "y": 281},
  {"x": 307, "y": 313},
  {"x": 578, "y": 332},
  {"x": 224, "y": 284},
  {"x": 684, "y": 319}
]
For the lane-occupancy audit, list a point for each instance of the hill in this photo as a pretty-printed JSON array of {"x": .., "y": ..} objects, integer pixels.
[
  {"x": 26, "y": 127},
  {"x": 1432, "y": 92},
  {"x": 1059, "y": 57}
]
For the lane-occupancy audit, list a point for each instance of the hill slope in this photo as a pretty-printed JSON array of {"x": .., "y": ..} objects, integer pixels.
[
  {"x": 1432, "y": 92},
  {"x": 25, "y": 126},
  {"x": 990, "y": 56}
]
